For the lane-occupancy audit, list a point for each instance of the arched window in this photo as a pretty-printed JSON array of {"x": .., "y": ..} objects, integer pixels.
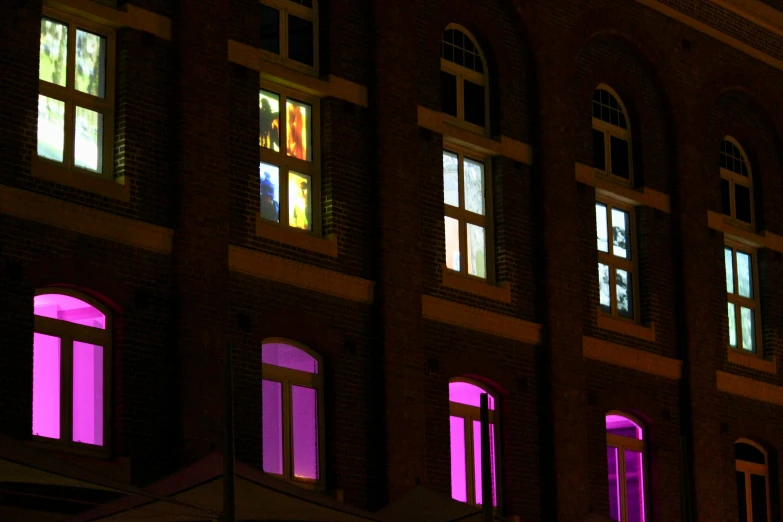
[
  {"x": 625, "y": 460},
  {"x": 292, "y": 406},
  {"x": 611, "y": 135},
  {"x": 736, "y": 182},
  {"x": 465, "y": 420},
  {"x": 752, "y": 482},
  {"x": 464, "y": 79},
  {"x": 71, "y": 352}
]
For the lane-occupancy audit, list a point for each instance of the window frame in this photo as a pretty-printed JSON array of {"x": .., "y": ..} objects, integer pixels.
[
  {"x": 462, "y": 215},
  {"x": 628, "y": 443},
  {"x": 286, "y": 163},
  {"x": 286, "y": 7},
  {"x": 69, "y": 332},
  {"x": 71, "y": 97},
  {"x": 614, "y": 262},
  {"x": 733, "y": 179},
  {"x": 609, "y": 130},
  {"x": 289, "y": 377},
  {"x": 463, "y": 73},
  {"x": 739, "y": 301},
  {"x": 752, "y": 468},
  {"x": 469, "y": 414}
]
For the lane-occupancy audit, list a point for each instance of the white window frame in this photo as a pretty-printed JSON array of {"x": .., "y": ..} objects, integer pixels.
[
  {"x": 286, "y": 7},
  {"x": 615, "y": 262},
  {"x": 610, "y": 130},
  {"x": 752, "y": 468},
  {"x": 288, "y": 378},
  {"x": 463, "y": 73},
  {"x": 738, "y": 179},
  {"x": 69, "y": 332},
  {"x": 738, "y": 301},
  {"x": 72, "y": 97},
  {"x": 629, "y": 443}
]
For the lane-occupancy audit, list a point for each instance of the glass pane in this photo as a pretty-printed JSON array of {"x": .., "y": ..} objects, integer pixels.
[
  {"x": 474, "y": 186},
  {"x": 450, "y": 179},
  {"x": 475, "y": 104},
  {"x": 452, "y": 243},
  {"x": 299, "y": 201},
  {"x": 298, "y": 126},
  {"x": 744, "y": 275},
  {"x": 306, "y": 3},
  {"x": 742, "y": 501},
  {"x": 758, "y": 496},
  {"x": 624, "y": 427},
  {"x": 304, "y": 402},
  {"x": 67, "y": 308},
  {"x": 604, "y": 289},
  {"x": 459, "y": 486},
  {"x": 469, "y": 394},
  {"x": 601, "y": 226},
  {"x": 729, "y": 264},
  {"x": 732, "y": 325},
  {"x": 287, "y": 356},
  {"x": 634, "y": 486},
  {"x": 748, "y": 329},
  {"x": 269, "y": 120},
  {"x": 87, "y": 393},
  {"x": 272, "y": 426},
  {"x": 448, "y": 93},
  {"x": 477, "y": 461},
  {"x": 621, "y": 231},
  {"x": 270, "y": 191},
  {"x": 599, "y": 153},
  {"x": 614, "y": 484},
  {"x": 624, "y": 285},
  {"x": 51, "y": 128},
  {"x": 620, "y": 158},
  {"x": 742, "y": 203},
  {"x": 270, "y": 29},
  {"x": 749, "y": 453},
  {"x": 46, "y": 386},
  {"x": 88, "y": 140},
  {"x": 477, "y": 257},
  {"x": 90, "y": 63},
  {"x": 300, "y": 40},
  {"x": 725, "y": 197},
  {"x": 53, "y": 52}
]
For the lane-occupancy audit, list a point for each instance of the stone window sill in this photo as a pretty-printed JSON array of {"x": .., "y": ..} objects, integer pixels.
[
  {"x": 753, "y": 361},
  {"x": 296, "y": 238},
  {"x": 463, "y": 283},
  {"x": 625, "y": 327},
  {"x": 95, "y": 461},
  {"x": 50, "y": 171},
  {"x": 645, "y": 196}
]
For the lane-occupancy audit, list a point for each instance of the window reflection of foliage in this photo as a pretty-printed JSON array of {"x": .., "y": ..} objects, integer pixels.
[
  {"x": 54, "y": 42},
  {"x": 619, "y": 236},
  {"x": 88, "y": 66},
  {"x": 622, "y": 291}
]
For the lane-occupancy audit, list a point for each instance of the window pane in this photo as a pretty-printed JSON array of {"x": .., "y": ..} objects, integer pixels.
[
  {"x": 624, "y": 427},
  {"x": 624, "y": 284},
  {"x": 728, "y": 260},
  {"x": 450, "y": 179},
  {"x": 604, "y": 289},
  {"x": 269, "y": 120},
  {"x": 634, "y": 486},
  {"x": 304, "y": 402},
  {"x": 475, "y": 104},
  {"x": 90, "y": 63},
  {"x": 452, "y": 243},
  {"x": 53, "y": 52},
  {"x": 51, "y": 128},
  {"x": 725, "y": 197},
  {"x": 299, "y": 201},
  {"x": 758, "y": 496},
  {"x": 749, "y": 453},
  {"x": 477, "y": 257},
  {"x": 621, "y": 230},
  {"x": 459, "y": 486},
  {"x": 46, "y": 386},
  {"x": 742, "y": 503},
  {"x": 298, "y": 125},
  {"x": 300, "y": 40},
  {"x": 270, "y": 191},
  {"x": 477, "y": 461},
  {"x": 466, "y": 393},
  {"x": 599, "y": 153},
  {"x": 70, "y": 309},
  {"x": 620, "y": 158},
  {"x": 287, "y": 356},
  {"x": 744, "y": 275},
  {"x": 448, "y": 93},
  {"x": 614, "y": 484},
  {"x": 272, "y": 426},
  {"x": 474, "y": 186},
  {"x": 88, "y": 140},
  {"x": 87, "y": 393},
  {"x": 732, "y": 326},
  {"x": 601, "y": 226},
  {"x": 742, "y": 203},
  {"x": 306, "y": 3},
  {"x": 748, "y": 329},
  {"x": 270, "y": 29}
]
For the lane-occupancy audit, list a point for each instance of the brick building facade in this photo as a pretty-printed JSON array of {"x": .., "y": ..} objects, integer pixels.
[{"x": 169, "y": 242}]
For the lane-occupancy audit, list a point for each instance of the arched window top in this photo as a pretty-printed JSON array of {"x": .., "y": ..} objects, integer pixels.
[
  {"x": 460, "y": 48},
  {"x": 463, "y": 392},
  {"x": 68, "y": 308},
  {"x": 732, "y": 157},
  {"x": 285, "y": 355},
  {"x": 622, "y": 426},
  {"x": 608, "y": 108},
  {"x": 305, "y": 3},
  {"x": 748, "y": 451}
]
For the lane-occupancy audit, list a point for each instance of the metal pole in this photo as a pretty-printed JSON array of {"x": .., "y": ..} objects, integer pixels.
[
  {"x": 229, "y": 493},
  {"x": 486, "y": 462}
]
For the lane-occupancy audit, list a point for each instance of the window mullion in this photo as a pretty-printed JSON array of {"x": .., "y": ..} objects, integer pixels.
[
  {"x": 612, "y": 289},
  {"x": 470, "y": 471},
  {"x": 622, "y": 481},
  {"x": 66, "y": 386},
  {"x": 607, "y": 156},
  {"x": 288, "y": 430}
]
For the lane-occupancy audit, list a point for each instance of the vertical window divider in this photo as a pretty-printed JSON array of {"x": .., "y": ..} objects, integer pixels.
[{"x": 288, "y": 429}]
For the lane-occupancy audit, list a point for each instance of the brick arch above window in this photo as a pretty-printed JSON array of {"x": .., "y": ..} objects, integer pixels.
[
  {"x": 302, "y": 328},
  {"x": 484, "y": 369}
]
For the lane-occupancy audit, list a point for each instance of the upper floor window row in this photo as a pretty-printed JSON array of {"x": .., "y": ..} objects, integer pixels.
[{"x": 289, "y": 32}]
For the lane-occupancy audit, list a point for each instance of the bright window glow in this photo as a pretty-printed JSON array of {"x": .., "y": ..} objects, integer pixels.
[
  {"x": 88, "y": 139},
  {"x": 46, "y": 386},
  {"x": 459, "y": 486},
  {"x": 87, "y": 393},
  {"x": 70, "y": 309},
  {"x": 625, "y": 466},
  {"x": 287, "y": 356},
  {"x": 270, "y": 191},
  {"x": 616, "y": 284},
  {"x": 742, "y": 299},
  {"x": 53, "y": 52},
  {"x": 299, "y": 208},
  {"x": 298, "y": 130},
  {"x": 272, "y": 404},
  {"x": 305, "y": 425},
  {"x": 466, "y": 393},
  {"x": 90, "y": 63},
  {"x": 51, "y": 128}
]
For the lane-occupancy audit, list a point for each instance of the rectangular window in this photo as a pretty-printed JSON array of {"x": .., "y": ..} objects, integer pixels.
[
  {"x": 742, "y": 296},
  {"x": 289, "y": 33},
  {"x": 617, "y": 294},
  {"x": 465, "y": 208},
  {"x": 75, "y": 102}
]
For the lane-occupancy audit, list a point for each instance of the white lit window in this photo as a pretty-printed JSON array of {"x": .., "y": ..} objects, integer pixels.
[
  {"x": 617, "y": 282},
  {"x": 742, "y": 297}
]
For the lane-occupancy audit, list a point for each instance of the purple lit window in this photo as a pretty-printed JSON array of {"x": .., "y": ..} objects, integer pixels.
[
  {"x": 272, "y": 404},
  {"x": 87, "y": 393},
  {"x": 46, "y": 386},
  {"x": 625, "y": 465}
]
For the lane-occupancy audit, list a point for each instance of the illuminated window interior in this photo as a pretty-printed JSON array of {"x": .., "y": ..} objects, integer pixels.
[
  {"x": 752, "y": 473},
  {"x": 742, "y": 298},
  {"x": 464, "y": 79},
  {"x": 616, "y": 262},
  {"x": 736, "y": 182},
  {"x": 625, "y": 463},
  {"x": 611, "y": 135},
  {"x": 289, "y": 32}
]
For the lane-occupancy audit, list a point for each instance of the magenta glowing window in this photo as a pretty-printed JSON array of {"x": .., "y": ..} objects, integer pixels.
[
  {"x": 465, "y": 439},
  {"x": 291, "y": 406},
  {"x": 625, "y": 467},
  {"x": 68, "y": 369}
]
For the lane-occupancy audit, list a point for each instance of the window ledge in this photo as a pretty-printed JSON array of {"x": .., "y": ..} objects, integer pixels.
[
  {"x": 632, "y": 358},
  {"x": 330, "y": 87},
  {"x": 753, "y": 361},
  {"x": 95, "y": 461},
  {"x": 463, "y": 283},
  {"x": 625, "y": 327},
  {"x": 51, "y": 171},
  {"x": 505, "y": 146},
  {"x": 766, "y": 239},
  {"x": 296, "y": 238},
  {"x": 648, "y": 197},
  {"x": 132, "y": 16}
]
